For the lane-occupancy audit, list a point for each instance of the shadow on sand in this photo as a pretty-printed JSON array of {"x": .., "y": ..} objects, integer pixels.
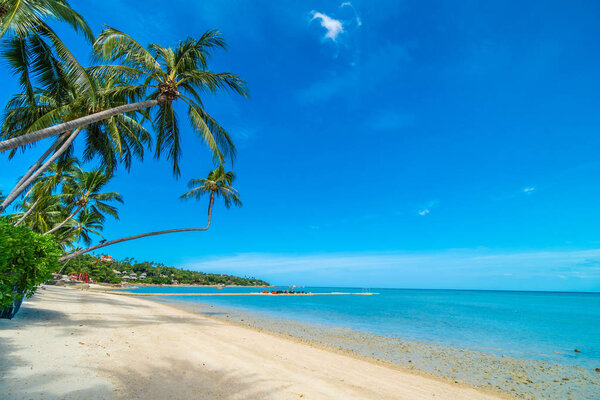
[
  {"x": 33, "y": 315},
  {"x": 192, "y": 381},
  {"x": 20, "y": 380}
]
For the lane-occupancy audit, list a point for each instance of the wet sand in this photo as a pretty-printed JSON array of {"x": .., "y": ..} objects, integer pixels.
[
  {"x": 524, "y": 377},
  {"x": 72, "y": 344}
]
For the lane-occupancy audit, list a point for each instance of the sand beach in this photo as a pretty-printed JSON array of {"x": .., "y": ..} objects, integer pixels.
[{"x": 73, "y": 344}]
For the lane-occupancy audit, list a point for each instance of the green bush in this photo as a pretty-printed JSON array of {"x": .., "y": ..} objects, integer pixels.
[{"x": 26, "y": 260}]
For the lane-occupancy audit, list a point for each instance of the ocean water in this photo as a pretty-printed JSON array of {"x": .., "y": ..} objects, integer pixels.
[{"x": 546, "y": 326}]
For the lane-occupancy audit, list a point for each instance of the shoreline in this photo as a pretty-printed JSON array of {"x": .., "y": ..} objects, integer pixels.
[
  {"x": 231, "y": 294},
  {"x": 499, "y": 374},
  {"x": 68, "y": 343},
  {"x": 128, "y": 285}
]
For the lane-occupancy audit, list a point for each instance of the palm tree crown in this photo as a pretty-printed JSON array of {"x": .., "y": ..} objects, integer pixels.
[
  {"x": 86, "y": 224},
  {"x": 218, "y": 182},
  {"x": 25, "y": 16},
  {"x": 83, "y": 190},
  {"x": 33, "y": 49},
  {"x": 171, "y": 74}
]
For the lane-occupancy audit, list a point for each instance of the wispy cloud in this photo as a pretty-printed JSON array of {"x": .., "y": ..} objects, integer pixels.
[
  {"x": 333, "y": 26},
  {"x": 378, "y": 67},
  {"x": 426, "y": 209},
  {"x": 529, "y": 189},
  {"x": 460, "y": 268},
  {"x": 348, "y": 4}
]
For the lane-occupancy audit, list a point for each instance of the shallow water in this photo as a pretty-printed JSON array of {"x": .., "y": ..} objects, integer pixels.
[
  {"x": 546, "y": 326},
  {"x": 517, "y": 377}
]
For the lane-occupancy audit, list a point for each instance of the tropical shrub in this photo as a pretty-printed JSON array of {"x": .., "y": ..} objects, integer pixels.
[{"x": 26, "y": 260}]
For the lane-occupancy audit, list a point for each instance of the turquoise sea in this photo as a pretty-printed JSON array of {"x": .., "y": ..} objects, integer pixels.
[{"x": 545, "y": 326}]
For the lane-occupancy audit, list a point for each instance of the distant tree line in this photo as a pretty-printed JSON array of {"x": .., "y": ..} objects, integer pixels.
[{"x": 156, "y": 273}]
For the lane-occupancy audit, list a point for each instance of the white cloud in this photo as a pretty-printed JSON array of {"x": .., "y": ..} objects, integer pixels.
[
  {"x": 348, "y": 4},
  {"x": 458, "y": 268},
  {"x": 334, "y": 27},
  {"x": 428, "y": 207},
  {"x": 529, "y": 189}
]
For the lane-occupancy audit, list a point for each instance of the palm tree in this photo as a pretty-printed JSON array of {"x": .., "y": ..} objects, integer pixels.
[
  {"x": 48, "y": 212},
  {"x": 43, "y": 188},
  {"x": 31, "y": 43},
  {"x": 170, "y": 75},
  {"x": 37, "y": 55},
  {"x": 86, "y": 224},
  {"x": 116, "y": 140},
  {"x": 217, "y": 184},
  {"x": 83, "y": 190},
  {"x": 23, "y": 16},
  {"x": 29, "y": 205},
  {"x": 165, "y": 70}
]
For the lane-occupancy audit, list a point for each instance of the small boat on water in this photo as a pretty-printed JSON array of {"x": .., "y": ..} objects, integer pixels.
[{"x": 284, "y": 292}]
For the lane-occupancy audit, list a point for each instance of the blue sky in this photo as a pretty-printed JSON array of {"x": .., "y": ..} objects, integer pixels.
[{"x": 391, "y": 143}]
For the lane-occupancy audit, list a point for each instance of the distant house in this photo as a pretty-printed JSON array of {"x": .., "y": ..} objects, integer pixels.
[
  {"x": 106, "y": 258},
  {"x": 125, "y": 277},
  {"x": 133, "y": 274},
  {"x": 116, "y": 272}
]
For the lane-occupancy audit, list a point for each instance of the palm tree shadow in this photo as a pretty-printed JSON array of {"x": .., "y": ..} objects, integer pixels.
[
  {"x": 8, "y": 361},
  {"x": 181, "y": 379},
  {"x": 171, "y": 379},
  {"x": 33, "y": 315},
  {"x": 15, "y": 383}
]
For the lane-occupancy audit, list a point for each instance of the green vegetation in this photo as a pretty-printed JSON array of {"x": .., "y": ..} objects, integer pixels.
[
  {"x": 26, "y": 260},
  {"x": 103, "y": 271},
  {"x": 119, "y": 107},
  {"x": 218, "y": 183},
  {"x": 68, "y": 203}
]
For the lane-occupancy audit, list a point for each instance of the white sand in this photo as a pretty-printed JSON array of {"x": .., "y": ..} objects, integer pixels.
[{"x": 71, "y": 344}]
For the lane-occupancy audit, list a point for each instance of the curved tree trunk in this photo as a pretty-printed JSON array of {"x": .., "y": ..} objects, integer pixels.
[
  {"x": 57, "y": 227},
  {"x": 26, "y": 214},
  {"x": 16, "y": 192},
  {"x": 74, "y": 124},
  {"x": 40, "y": 160},
  {"x": 99, "y": 246}
]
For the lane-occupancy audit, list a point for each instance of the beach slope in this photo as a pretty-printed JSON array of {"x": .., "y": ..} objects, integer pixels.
[{"x": 72, "y": 344}]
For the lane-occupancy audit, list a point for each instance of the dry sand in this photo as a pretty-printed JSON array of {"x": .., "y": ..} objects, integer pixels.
[{"x": 72, "y": 344}]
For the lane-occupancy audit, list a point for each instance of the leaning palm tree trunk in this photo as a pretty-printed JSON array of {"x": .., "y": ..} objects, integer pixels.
[
  {"x": 26, "y": 214},
  {"x": 40, "y": 160},
  {"x": 99, "y": 246},
  {"x": 16, "y": 192},
  {"x": 70, "y": 217},
  {"x": 74, "y": 124}
]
